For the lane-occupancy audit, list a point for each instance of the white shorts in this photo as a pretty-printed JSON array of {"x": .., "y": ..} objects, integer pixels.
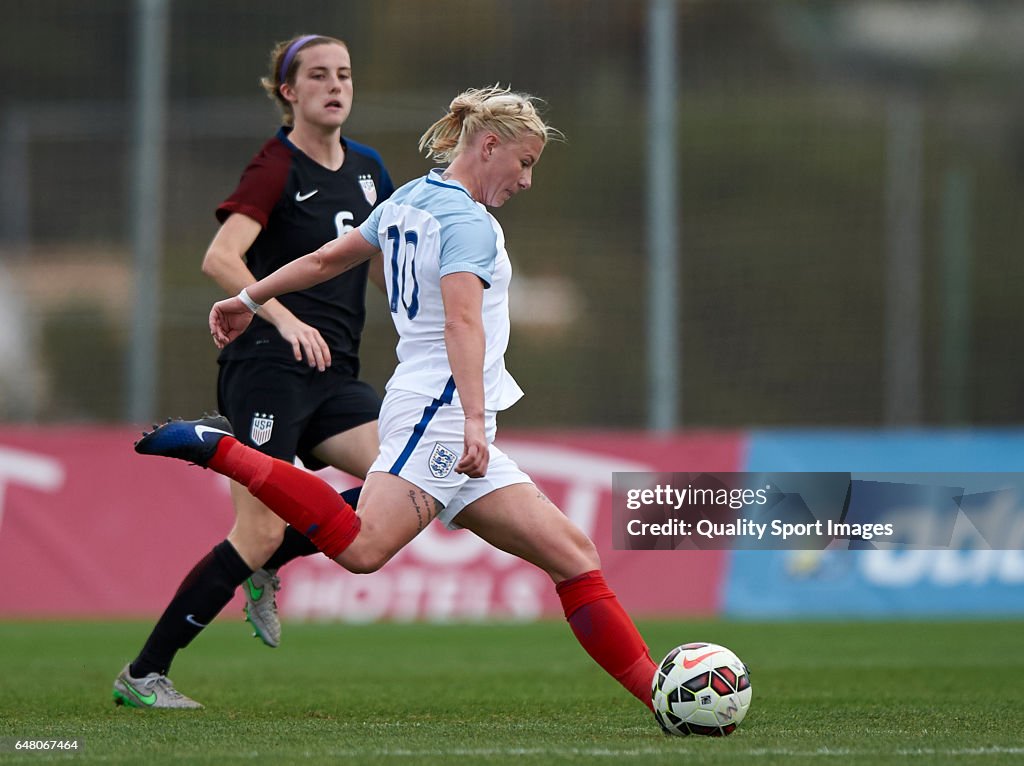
[{"x": 421, "y": 440}]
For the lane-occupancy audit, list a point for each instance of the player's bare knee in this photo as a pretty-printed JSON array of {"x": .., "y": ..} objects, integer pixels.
[
  {"x": 256, "y": 543},
  {"x": 583, "y": 548},
  {"x": 581, "y": 557},
  {"x": 364, "y": 559},
  {"x": 269, "y": 541},
  {"x": 588, "y": 559},
  {"x": 591, "y": 556}
]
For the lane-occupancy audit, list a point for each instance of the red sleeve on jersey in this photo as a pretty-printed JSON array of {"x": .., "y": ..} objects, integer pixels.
[{"x": 260, "y": 187}]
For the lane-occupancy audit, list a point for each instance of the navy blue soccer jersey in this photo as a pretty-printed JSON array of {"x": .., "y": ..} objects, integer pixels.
[{"x": 301, "y": 205}]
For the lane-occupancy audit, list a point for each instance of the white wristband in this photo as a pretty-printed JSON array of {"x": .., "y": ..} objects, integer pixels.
[{"x": 250, "y": 304}]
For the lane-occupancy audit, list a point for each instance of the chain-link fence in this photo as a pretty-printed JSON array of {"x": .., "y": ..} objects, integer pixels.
[{"x": 849, "y": 179}]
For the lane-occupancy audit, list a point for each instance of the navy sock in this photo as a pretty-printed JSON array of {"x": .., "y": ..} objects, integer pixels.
[
  {"x": 294, "y": 545},
  {"x": 204, "y": 592}
]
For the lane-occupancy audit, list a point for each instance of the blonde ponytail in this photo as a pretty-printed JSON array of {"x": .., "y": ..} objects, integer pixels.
[{"x": 509, "y": 115}]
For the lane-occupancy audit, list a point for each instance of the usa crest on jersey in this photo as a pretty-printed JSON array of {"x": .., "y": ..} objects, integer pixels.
[
  {"x": 261, "y": 429},
  {"x": 441, "y": 461},
  {"x": 368, "y": 187}
]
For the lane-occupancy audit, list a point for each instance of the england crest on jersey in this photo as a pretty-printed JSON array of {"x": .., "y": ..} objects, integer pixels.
[
  {"x": 262, "y": 428},
  {"x": 368, "y": 187},
  {"x": 442, "y": 461}
]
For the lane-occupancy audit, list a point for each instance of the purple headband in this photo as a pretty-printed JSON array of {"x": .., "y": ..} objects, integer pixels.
[{"x": 290, "y": 54}]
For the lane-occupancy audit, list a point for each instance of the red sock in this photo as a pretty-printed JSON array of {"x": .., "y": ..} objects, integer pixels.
[
  {"x": 604, "y": 629},
  {"x": 309, "y": 504}
]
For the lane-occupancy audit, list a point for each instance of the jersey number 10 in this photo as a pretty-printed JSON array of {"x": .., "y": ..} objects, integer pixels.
[{"x": 403, "y": 271}]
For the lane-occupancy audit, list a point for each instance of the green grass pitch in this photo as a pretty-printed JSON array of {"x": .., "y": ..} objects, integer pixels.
[{"x": 825, "y": 692}]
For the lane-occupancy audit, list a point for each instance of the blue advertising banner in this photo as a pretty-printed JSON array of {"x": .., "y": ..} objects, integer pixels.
[{"x": 965, "y": 579}]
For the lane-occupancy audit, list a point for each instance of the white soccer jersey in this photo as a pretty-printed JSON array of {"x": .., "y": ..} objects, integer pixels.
[{"x": 427, "y": 229}]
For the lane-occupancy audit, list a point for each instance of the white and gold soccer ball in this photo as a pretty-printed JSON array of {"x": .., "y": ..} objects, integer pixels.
[{"x": 701, "y": 689}]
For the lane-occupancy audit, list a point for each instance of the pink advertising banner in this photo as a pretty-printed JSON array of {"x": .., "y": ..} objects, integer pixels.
[{"x": 90, "y": 529}]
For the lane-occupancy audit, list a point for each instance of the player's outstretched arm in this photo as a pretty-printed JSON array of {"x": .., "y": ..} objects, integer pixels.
[
  {"x": 336, "y": 257},
  {"x": 229, "y": 318}
]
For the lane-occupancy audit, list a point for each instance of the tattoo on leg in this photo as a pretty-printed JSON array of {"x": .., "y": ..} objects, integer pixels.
[
  {"x": 425, "y": 508},
  {"x": 419, "y": 513}
]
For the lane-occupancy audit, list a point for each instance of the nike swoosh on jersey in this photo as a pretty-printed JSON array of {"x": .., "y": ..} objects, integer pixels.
[
  {"x": 200, "y": 430},
  {"x": 191, "y": 618},
  {"x": 300, "y": 197}
]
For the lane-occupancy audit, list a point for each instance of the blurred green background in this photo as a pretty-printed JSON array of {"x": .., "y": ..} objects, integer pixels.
[{"x": 820, "y": 145}]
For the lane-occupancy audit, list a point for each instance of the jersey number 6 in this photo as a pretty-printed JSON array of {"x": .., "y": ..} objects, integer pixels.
[{"x": 343, "y": 222}]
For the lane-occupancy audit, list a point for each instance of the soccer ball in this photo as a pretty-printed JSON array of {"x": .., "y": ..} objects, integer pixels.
[{"x": 701, "y": 689}]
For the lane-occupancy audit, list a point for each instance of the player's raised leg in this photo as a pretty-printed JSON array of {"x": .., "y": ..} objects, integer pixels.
[
  {"x": 392, "y": 510},
  {"x": 519, "y": 519},
  {"x": 306, "y": 500}
]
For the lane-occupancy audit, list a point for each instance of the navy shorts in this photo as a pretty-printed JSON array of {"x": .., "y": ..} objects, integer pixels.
[{"x": 285, "y": 408}]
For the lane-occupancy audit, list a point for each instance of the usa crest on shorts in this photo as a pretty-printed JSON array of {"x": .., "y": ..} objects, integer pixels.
[
  {"x": 368, "y": 187},
  {"x": 442, "y": 461},
  {"x": 261, "y": 429}
]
